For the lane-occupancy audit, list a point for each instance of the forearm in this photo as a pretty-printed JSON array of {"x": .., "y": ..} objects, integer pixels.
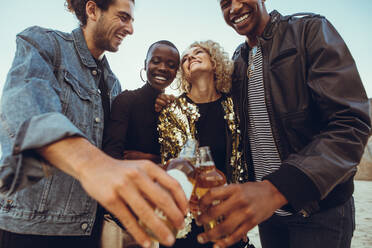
[{"x": 72, "y": 155}]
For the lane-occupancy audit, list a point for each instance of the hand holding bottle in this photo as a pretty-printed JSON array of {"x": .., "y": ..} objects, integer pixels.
[{"x": 243, "y": 206}]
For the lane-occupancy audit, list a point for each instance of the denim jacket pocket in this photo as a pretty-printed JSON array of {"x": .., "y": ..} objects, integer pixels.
[
  {"x": 76, "y": 86},
  {"x": 77, "y": 101}
]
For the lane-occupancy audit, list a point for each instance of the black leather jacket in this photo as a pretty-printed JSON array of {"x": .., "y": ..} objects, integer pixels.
[{"x": 317, "y": 105}]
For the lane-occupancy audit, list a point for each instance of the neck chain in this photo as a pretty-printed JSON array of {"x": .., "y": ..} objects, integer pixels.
[{"x": 251, "y": 67}]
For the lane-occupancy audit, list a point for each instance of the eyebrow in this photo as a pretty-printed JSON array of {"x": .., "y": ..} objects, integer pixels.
[{"x": 126, "y": 14}]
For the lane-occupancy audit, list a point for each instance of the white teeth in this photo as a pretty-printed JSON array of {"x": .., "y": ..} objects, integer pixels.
[
  {"x": 120, "y": 36},
  {"x": 242, "y": 18},
  {"x": 161, "y": 78},
  {"x": 193, "y": 62}
]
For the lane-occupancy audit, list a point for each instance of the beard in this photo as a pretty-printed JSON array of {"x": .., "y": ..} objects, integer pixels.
[{"x": 101, "y": 38}]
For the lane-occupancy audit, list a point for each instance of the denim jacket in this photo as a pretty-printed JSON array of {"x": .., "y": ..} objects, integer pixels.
[{"x": 51, "y": 92}]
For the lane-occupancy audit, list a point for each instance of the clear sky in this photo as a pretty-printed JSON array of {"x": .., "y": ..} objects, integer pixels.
[{"x": 182, "y": 22}]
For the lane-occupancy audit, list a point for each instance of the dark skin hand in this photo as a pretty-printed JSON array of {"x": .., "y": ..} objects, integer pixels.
[
  {"x": 137, "y": 155},
  {"x": 162, "y": 100},
  {"x": 243, "y": 206}
]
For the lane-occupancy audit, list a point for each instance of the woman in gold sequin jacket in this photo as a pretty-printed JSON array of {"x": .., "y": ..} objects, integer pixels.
[{"x": 205, "y": 112}]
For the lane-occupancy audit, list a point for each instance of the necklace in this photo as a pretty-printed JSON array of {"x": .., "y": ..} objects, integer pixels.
[{"x": 251, "y": 67}]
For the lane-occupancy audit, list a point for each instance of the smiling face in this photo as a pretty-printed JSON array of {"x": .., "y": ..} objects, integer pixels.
[
  {"x": 196, "y": 60},
  {"x": 161, "y": 65},
  {"x": 113, "y": 25},
  {"x": 247, "y": 17}
]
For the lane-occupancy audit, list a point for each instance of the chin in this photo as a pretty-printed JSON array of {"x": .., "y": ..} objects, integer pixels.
[{"x": 113, "y": 49}]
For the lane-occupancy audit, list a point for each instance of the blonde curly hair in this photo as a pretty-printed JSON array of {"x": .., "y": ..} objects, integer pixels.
[{"x": 223, "y": 70}]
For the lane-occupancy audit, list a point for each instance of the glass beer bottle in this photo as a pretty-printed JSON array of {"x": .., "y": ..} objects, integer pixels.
[
  {"x": 186, "y": 162},
  {"x": 182, "y": 169},
  {"x": 208, "y": 176}
]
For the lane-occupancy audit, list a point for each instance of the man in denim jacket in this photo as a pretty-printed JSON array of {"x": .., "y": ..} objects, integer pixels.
[{"x": 55, "y": 99}]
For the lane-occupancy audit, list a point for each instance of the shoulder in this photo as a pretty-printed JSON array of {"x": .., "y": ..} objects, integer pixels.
[
  {"x": 42, "y": 39},
  {"x": 239, "y": 51},
  {"x": 38, "y": 34},
  {"x": 127, "y": 97},
  {"x": 307, "y": 19},
  {"x": 124, "y": 97}
]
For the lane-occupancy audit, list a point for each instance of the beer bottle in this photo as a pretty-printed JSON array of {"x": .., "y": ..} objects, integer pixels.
[
  {"x": 208, "y": 176},
  {"x": 183, "y": 170}
]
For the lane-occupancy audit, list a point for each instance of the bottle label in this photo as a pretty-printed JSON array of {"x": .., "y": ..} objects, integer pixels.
[{"x": 183, "y": 181}]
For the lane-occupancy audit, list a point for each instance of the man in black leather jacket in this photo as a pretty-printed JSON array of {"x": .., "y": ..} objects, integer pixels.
[{"x": 304, "y": 121}]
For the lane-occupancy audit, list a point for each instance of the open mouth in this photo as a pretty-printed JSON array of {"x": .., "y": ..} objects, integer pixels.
[
  {"x": 120, "y": 36},
  {"x": 161, "y": 78},
  {"x": 240, "y": 18}
]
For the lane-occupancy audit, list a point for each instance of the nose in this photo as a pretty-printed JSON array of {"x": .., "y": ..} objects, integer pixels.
[
  {"x": 162, "y": 67},
  {"x": 191, "y": 57},
  {"x": 129, "y": 27},
  {"x": 235, "y": 6}
]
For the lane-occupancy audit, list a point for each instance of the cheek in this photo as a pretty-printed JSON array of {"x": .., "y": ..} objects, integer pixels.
[
  {"x": 173, "y": 73},
  {"x": 226, "y": 18},
  {"x": 184, "y": 68},
  {"x": 149, "y": 70}
]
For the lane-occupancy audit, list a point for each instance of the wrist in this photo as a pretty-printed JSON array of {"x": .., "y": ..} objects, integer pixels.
[{"x": 276, "y": 195}]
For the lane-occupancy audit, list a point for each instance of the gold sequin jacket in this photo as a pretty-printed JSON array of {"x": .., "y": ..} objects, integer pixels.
[{"x": 177, "y": 124}]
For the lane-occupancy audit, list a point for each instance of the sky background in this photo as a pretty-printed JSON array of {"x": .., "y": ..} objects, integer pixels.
[{"x": 182, "y": 22}]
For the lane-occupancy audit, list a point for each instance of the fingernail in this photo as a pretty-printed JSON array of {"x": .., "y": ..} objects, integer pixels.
[
  {"x": 170, "y": 239},
  {"x": 201, "y": 239},
  {"x": 147, "y": 244}
]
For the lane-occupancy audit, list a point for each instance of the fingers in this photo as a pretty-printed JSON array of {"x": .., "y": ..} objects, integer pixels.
[
  {"x": 230, "y": 231},
  {"x": 162, "y": 100},
  {"x": 160, "y": 176},
  {"x": 125, "y": 216},
  {"x": 215, "y": 211},
  {"x": 214, "y": 194},
  {"x": 171, "y": 98},
  {"x": 235, "y": 237},
  {"x": 146, "y": 214},
  {"x": 144, "y": 177}
]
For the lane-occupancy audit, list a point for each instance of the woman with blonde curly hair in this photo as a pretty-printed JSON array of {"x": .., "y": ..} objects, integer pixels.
[{"x": 204, "y": 112}]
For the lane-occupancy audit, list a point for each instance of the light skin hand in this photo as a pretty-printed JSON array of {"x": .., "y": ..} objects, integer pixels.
[
  {"x": 243, "y": 206},
  {"x": 124, "y": 188},
  {"x": 162, "y": 100}
]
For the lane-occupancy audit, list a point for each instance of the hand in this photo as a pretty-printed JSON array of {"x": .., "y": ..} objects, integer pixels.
[
  {"x": 243, "y": 206},
  {"x": 135, "y": 155},
  {"x": 129, "y": 189},
  {"x": 162, "y": 100}
]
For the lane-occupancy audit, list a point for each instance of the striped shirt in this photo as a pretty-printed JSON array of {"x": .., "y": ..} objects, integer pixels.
[{"x": 265, "y": 155}]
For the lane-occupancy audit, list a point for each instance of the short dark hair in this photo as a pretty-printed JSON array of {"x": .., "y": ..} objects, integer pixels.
[
  {"x": 162, "y": 42},
  {"x": 78, "y": 7}
]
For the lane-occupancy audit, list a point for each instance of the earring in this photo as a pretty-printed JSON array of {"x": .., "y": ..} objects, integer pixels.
[{"x": 143, "y": 69}]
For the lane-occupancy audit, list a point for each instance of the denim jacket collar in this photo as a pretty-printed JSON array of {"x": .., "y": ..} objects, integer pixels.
[{"x": 82, "y": 48}]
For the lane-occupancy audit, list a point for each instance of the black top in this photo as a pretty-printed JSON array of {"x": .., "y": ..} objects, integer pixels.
[
  {"x": 105, "y": 94},
  {"x": 133, "y": 123},
  {"x": 211, "y": 130}
]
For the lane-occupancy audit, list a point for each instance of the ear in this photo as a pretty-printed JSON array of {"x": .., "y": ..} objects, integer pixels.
[
  {"x": 214, "y": 65},
  {"x": 92, "y": 11}
]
